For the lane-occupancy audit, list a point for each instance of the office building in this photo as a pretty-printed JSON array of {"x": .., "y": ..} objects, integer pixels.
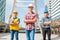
[
  {"x": 2, "y": 10},
  {"x": 54, "y": 8}
]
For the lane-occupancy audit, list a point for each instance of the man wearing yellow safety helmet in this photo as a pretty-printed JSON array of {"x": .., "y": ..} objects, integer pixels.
[{"x": 14, "y": 25}]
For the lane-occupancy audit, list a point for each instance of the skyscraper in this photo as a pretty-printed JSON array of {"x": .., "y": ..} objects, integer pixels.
[
  {"x": 54, "y": 8},
  {"x": 2, "y": 10}
]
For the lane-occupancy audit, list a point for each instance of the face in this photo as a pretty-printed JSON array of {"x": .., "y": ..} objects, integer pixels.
[
  {"x": 30, "y": 9},
  {"x": 46, "y": 14},
  {"x": 15, "y": 14}
]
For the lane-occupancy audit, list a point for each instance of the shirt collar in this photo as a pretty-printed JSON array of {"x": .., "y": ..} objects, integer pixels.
[
  {"x": 46, "y": 17},
  {"x": 32, "y": 13},
  {"x": 14, "y": 18}
]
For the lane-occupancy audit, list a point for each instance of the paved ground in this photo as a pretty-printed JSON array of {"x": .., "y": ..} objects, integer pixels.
[{"x": 22, "y": 36}]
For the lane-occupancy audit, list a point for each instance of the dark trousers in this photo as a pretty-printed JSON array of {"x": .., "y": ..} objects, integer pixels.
[{"x": 48, "y": 32}]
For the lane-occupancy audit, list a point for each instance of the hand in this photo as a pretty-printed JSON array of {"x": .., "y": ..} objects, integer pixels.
[
  {"x": 47, "y": 23},
  {"x": 11, "y": 23},
  {"x": 16, "y": 23},
  {"x": 29, "y": 21}
]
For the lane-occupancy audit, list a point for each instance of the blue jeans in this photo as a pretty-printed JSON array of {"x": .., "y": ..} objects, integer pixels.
[
  {"x": 30, "y": 34},
  {"x": 12, "y": 32}
]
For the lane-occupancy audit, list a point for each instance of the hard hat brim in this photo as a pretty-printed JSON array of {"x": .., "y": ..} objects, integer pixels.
[
  {"x": 15, "y": 12},
  {"x": 30, "y": 6}
]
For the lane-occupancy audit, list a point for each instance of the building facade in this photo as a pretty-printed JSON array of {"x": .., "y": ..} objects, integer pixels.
[
  {"x": 2, "y": 10},
  {"x": 54, "y": 8}
]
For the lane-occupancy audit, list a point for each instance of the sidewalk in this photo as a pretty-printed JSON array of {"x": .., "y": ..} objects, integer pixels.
[{"x": 22, "y": 36}]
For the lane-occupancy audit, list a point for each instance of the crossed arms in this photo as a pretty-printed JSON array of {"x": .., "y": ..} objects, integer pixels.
[
  {"x": 15, "y": 23},
  {"x": 31, "y": 21},
  {"x": 47, "y": 23}
]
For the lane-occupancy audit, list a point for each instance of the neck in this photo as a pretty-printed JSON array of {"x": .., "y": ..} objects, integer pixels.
[
  {"x": 46, "y": 17},
  {"x": 30, "y": 12},
  {"x": 15, "y": 17}
]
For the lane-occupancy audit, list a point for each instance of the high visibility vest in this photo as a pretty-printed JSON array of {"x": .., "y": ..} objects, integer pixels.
[{"x": 15, "y": 27}]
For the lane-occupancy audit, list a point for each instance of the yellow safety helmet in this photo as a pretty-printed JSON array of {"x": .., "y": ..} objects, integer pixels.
[{"x": 15, "y": 11}]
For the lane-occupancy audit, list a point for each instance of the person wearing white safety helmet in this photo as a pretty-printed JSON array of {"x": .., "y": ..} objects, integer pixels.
[{"x": 30, "y": 20}]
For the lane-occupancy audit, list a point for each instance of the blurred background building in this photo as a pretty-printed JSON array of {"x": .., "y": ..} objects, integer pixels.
[
  {"x": 2, "y": 15},
  {"x": 54, "y": 8},
  {"x": 2, "y": 10},
  {"x": 54, "y": 12}
]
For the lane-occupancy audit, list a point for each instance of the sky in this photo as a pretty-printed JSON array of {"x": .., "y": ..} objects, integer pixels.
[{"x": 23, "y": 11}]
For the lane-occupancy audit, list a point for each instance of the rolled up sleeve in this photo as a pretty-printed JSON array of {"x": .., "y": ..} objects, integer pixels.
[{"x": 18, "y": 20}]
